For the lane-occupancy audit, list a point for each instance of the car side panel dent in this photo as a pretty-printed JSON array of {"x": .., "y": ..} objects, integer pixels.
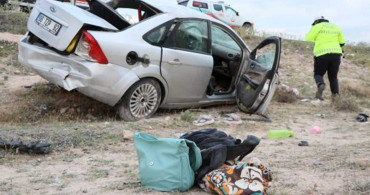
[
  {"x": 116, "y": 91},
  {"x": 105, "y": 83}
]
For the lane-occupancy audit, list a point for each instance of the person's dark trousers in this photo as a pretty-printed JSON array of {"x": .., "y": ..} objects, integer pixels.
[{"x": 330, "y": 63}]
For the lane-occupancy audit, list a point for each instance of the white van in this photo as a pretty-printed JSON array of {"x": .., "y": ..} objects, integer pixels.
[{"x": 220, "y": 11}]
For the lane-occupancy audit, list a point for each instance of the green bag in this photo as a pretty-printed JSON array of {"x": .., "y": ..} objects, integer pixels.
[{"x": 166, "y": 164}]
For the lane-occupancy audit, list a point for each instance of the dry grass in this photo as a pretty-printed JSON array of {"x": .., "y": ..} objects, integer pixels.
[
  {"x": 354, "y": 97},
  {"x": 355, "y": 88},
  {"x": 284, "y": 97},
  {"x": 13, "y": 21},
  {"x": 358, "y": 53},
  {"x": 8, "y": 48},
  {"x": 9, "y": 59},
  {"x": 187, "y": 116},
  {"x": 43, "y": 103},
  {"x": 345, "y": 103}
]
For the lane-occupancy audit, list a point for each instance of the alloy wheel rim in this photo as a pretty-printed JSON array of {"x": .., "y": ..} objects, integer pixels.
[{"x": 143, "y": 100}]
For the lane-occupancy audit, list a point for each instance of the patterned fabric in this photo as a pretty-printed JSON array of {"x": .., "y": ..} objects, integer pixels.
[{"x": 238, "y": 178}]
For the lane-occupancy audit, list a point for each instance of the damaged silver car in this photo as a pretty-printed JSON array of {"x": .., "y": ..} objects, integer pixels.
[{"x": 172, "y": 57}]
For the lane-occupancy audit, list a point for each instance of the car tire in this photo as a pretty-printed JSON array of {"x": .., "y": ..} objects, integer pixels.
[{"x": 140, "y": 101}]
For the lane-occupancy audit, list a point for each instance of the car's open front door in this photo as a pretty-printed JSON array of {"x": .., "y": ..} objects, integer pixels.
[{"x": 257, "y": 82}]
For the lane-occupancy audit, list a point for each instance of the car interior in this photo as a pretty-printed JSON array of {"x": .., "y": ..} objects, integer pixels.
[
  {"x": 227, "y": 56},
  {"x": 108, "y": 12}
]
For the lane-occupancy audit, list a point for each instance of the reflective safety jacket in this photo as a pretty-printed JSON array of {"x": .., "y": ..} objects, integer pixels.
[{"x": 327, "y": 38}]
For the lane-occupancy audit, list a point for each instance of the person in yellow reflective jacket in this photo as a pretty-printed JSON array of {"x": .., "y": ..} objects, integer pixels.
[{"x": 329, "y": 41}]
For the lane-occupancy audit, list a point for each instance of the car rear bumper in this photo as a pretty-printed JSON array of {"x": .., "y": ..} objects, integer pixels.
[{"x": 105, "y": 83}]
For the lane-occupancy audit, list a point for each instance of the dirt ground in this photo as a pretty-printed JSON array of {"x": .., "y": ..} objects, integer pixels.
[{"x": 98, "y": 155}]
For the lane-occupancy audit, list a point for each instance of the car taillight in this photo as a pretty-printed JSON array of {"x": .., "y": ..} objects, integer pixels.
[{"x": 89, "y": 48}]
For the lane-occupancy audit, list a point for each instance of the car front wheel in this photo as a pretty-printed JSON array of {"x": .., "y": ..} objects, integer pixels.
[{"x": 140, "y": 101}]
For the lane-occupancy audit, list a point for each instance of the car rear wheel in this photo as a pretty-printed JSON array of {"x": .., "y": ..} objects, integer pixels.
[{"x": 140, "y": 101}]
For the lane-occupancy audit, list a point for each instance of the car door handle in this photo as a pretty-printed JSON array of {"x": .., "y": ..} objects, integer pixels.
[{"x": 175, "y": 62}]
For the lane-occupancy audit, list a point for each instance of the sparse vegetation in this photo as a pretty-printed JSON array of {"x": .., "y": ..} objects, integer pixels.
[
  {"x": 187, "y": 116},
  {"x": 97, "y": 174},
  {"x": 284, "y": 97},
  {"x": 8, "y": 48},
  {"x": 358, "y": 53},
  {"x": 345, "y": 103},
  {"x": 50, "y": 103},
  {"x": 13, "y": 21},
  {"x": 9, "y": 57}
]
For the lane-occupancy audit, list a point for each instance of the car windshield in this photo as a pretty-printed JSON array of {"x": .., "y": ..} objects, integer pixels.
[
  {"x": 230, "y": 11},
  {"x": 220, "y": 37}
]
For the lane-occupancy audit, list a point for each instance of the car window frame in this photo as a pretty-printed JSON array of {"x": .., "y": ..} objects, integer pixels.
[
  {"x": 184, "y": 3},
  {"x": 222, "y": 7},
  {"x": 230, "y": 35},
  {"x": 240, "y": 43},
  {"x": 165, "y": 36},
  {"x": 179, "y": 22},
  {"x": 235, "y": 13}
]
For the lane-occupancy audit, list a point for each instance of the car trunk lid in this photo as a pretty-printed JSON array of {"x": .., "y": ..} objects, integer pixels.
[{"x": 58, "y": 23}]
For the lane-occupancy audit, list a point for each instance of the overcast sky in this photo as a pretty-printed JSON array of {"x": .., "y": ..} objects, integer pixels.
[{"x": 296, "y": 16}]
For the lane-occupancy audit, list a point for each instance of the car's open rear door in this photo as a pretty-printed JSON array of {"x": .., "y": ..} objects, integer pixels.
[
  {"x": 58, "y": 23},
  {"x": 257, "y": 82}
]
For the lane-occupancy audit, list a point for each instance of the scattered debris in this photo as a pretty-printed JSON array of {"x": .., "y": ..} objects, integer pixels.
[
  {"x": 295, "y": 92},
  {"x": 303, "y": 143},
  {"x": 204, "y": 120},
  {"x": 36, "y": 147},
  {"x": 316, "y": 163},
  {"x": 120, "y": 186},
  {"x": 277, "y": 134},
  {"x": 362, "y": 117},
  {"x": 288, "y": 89},
  {"x": 316, "y": 101},
  {"x": 315, "y": 130},
  {"x": 320, "y": 115},
  {"x": 233, "y": 119},
  {"x": 43, "y": 108},
  {"x": 127, "y": 135},
  {"x": 286, "y": 94}
]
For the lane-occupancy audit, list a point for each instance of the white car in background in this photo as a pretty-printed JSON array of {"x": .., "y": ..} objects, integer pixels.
[
  {"x": 220, "y": 11},
  {"x": 172, "y": 58}
]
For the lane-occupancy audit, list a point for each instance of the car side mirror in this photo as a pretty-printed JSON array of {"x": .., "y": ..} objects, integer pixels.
[{"x": 237, "y": 13}]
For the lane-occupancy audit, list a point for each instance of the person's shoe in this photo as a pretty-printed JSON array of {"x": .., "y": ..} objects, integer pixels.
[
  {"x": 320, "y": 90},
  {"x": 335, "y": 96}
]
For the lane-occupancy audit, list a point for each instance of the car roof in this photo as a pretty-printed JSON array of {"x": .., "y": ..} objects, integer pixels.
[{"x": 179, "y": 11}]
